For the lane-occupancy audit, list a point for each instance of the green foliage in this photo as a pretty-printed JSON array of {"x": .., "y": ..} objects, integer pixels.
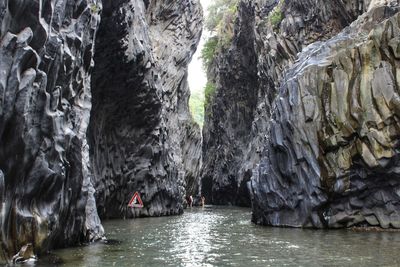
[
  {"x": 209, "y": 51},
  {"x": 209, "y": 92},
  {"x": 199, "y": 101},
  {"x": 219, "y": 22},
  {"x": 276, "y": 16},
  {"x": 217, "y": 11},
  {"x": 196, "y": 105}
]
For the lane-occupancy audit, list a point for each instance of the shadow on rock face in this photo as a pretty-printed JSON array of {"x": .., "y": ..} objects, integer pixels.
[
  {"x": 141, "y": 134},
  {"x": 44, "y": 113},
  {"x": 332, "y": 157}
]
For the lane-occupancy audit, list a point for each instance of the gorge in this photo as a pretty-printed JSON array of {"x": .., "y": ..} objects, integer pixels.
[{"x": 302, "y": 115}]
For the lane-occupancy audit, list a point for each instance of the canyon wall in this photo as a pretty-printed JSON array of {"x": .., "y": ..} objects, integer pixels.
[
  {"x": 299, "y": 139},
  {"x": 332, "y": 156},
  {"x": 91, "y": 112},
  {"x": 246, "y": 76},
  {"x": 142, "y": 137},
  {"x": 229, "y": 116},
  {"x": 46, "y": 55}
]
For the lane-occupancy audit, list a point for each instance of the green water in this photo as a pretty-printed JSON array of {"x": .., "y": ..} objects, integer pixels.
[{"x": 221, "y": 236}]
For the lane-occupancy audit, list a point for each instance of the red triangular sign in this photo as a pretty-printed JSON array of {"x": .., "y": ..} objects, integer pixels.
[{"x": 136, "y": 201}]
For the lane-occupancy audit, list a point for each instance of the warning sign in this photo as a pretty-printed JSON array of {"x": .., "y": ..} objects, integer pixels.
[{"x": 136, "y": 201}]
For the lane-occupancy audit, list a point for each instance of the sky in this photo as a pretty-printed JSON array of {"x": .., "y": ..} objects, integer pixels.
[{"x": 197, "y": 75}]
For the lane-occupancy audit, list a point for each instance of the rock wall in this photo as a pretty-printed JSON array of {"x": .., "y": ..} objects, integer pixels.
[
  {"x": 247, "y": 76},
  {"x": 46, "y": 54},
  {"x": 141, "y": 133},
  {"x": 332, "y": 157},
  {"x": 229, "y": 116},
  {"x": 256, "y": 133}
]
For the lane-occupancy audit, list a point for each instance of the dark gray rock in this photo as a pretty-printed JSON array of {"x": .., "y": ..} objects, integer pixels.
[
  {"x": 247, "y": 76},
  {"x": 332, "y": 157},
  {"x": 45, "y": 63},
  {"x": 269, "y": 119},
  {"x": 141, "y": 133},
  {"x": 229, "y": 116}
]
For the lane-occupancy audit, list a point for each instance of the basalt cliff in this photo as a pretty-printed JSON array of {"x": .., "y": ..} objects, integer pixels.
[
  {"x": 303, "y": 125},
  {"x": 308, "y": 93},
  {"x": 93, "y": 107},
  {"x": 141, "y": 132}
]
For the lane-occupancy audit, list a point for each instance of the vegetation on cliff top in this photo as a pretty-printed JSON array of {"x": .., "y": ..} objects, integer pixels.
[
  {"x": 196, "y": 105},
  {"x": 219, "y": 22},
  {"x": 276, "y": 16},
  {"x": 208, "y": 52},
  {"x": 209, "y": 92}
]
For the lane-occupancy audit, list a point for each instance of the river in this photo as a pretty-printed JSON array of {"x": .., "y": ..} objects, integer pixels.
[{"x": 223, "y": 236}]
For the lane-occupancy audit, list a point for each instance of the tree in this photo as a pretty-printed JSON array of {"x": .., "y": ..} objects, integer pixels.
[
  {"x": 218, "y": 11},
  {"x": 220, "y": 20}
]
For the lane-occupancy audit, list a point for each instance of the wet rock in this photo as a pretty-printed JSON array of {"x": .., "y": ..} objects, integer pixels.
[
  {"x": 311, "y": 117},
  {"x": 247, "y": 76},
  {"x": 24, "y": 255},
  {"x": 337, "y": 166},
  {"x": 229, "y": 116},
  {"x": 142, "y": 137},
  {"x": 45, "y": 65}
]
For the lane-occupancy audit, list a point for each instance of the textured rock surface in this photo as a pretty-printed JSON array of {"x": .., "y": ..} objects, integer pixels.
[
  {"x": 241, "y": 139},
  {"x": 247, "y": 75},
  {"x": 332, "y": 158},
  {"x": 45, "y": 62},
  {"x": 141, "y": 133},
  {"x": 229, "y": 117}
]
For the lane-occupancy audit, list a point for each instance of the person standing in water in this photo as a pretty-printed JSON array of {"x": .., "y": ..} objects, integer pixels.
[
  {"x": 203, "y": 201},
  {"x": 190, "y": 201}
]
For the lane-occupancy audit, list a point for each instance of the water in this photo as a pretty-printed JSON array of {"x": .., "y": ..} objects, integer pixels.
[{"x": 221, "y": 236}]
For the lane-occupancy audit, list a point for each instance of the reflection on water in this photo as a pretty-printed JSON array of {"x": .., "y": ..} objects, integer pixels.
[
  {"x": 217, "y": 236},
  {"x": 193, "y": 241}
]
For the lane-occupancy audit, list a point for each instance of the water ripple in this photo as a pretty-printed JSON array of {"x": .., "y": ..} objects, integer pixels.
[{"x": 225, "y": 237}]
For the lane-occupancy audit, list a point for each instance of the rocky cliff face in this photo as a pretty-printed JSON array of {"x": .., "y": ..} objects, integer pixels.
[
  {"x": 247, "y": 76},
  {"x": 141, "y": 132},
  {"x": 276, "y": 144},
  {"x": 332, "y": 156},
  {"x": 46, "y": 54},
  {"x": 229, "y": 116}
]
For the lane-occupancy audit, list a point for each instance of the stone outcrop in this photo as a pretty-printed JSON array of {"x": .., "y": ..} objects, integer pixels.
[
  {"x": 255, "y": 131},
  {"x": 229, "y": 116},
  {"x": 332, "y": 158},
  {"x": 46, "y": 54},
  {"x": 141, "y": 133},
  {"x": 247, "y": 76},
  {"x": 56, "y": 171}
]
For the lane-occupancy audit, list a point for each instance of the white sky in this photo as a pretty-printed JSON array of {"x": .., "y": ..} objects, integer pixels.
[{"x": 197, "y": 75}]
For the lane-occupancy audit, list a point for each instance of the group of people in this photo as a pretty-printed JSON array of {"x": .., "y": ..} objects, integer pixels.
[{"x": 189, "y": 200}]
